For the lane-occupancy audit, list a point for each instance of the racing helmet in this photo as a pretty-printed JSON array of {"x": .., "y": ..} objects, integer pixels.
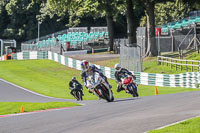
[
  {"x": 84, "y": 64},
  {"x": 73, "y": 78},
  {"x": 117, "y": 66}
]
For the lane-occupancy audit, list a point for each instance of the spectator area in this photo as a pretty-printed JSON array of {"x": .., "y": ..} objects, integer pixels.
[
  {"x": 185, "y": 23},
  {"x": 74, "y": 36}
]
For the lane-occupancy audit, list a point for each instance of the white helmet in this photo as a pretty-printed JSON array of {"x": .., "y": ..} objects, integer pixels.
[{"x": 117, "y": 66}]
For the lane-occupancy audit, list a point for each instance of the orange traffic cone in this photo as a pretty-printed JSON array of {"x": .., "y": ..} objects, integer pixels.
[
  {"x": 156, "y": 90},
  {"x": 22, "y": 109}
]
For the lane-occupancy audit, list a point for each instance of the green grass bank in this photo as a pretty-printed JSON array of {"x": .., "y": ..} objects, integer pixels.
[{"x": 188, "y": 126}]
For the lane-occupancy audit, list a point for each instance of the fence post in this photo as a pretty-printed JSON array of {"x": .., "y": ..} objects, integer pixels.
[
  {"x": 186, "y": 66},
  {"x": 199, "y": 68},
  {"x": 171, "y": 64},
  {"x": 181, "y": 65},
  {"x": 158, "y": 60},
  {"x": 162, "y": 61},
  {"x": 192, "y": 65},
  {"x": 167, "y": 61},
  {"x": 176, "y": 65}
]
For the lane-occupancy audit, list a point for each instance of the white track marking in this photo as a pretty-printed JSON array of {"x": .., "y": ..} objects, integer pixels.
[
  {"x": 172, "y": 124},
  {"x": 30, "y": 90}
]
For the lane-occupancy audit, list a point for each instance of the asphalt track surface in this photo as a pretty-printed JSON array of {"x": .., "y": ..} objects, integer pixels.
[{"x": 132, "y": 115}]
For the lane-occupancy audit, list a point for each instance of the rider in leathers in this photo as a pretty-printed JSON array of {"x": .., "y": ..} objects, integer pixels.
[
  {"x": 74, "y": 85},
  {"x": 119, "y": 73},
  {"x": 89, "y": 70}
]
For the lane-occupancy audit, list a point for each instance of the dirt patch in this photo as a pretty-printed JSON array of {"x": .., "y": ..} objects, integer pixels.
[{"x": 95, "y": 57}]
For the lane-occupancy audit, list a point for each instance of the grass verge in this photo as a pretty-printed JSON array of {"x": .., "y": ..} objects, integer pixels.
[
  {"x": 15, "y": 107},
  {"x": 150, "y": 65},
  {"x": 51, "y": 79},
  {"x": 188, "y": 126}
]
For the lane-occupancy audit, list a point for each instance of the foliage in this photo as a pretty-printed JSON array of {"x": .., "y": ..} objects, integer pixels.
[
  {"x": 19, "y": 21},
  {"x": 197, "y": 85},
  {"x": 76, "y": 9},
  {"x": 19, "y": 18},
  {"x": 169, "y": 11}
]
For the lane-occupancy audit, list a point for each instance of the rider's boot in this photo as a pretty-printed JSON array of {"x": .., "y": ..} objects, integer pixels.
[
  {"x": 99, "y": 98},
  {"x": 126, "y": 89},
  {"x": 90, "y": 91}
]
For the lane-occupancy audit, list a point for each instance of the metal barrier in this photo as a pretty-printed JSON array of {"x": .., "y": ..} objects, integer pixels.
[
  {"x": 131, "y": 58},
  {"x": 192, "y": 64}
]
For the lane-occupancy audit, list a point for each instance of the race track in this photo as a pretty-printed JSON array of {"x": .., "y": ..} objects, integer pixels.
[{"x": 133, "y": 115}]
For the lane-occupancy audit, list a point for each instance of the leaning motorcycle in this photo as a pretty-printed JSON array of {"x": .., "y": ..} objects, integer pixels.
[
  {"x": 129, "y": 85},
  {"x": 78, "y": 94},
  {"x": 99, "y": 86}
]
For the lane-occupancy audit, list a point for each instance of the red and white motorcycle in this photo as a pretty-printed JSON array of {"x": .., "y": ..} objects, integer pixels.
[
  {"x": 129, "y": 85},
  {"x": 100, "y": 87}
]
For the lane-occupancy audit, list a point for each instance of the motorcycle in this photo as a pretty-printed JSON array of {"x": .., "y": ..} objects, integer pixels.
[
  {"x": 100, "y": 88},
  {"x": 129, "y": 85},
  {"x": 77, "y": 93}
]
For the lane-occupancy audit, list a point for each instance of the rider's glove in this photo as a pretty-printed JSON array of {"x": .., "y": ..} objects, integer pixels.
[
  {"x": 101, "y": 74},
  {"x": 133, "y": 76}
]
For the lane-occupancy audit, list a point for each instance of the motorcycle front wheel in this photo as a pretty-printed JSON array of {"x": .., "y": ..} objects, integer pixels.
[
  {"x": 79, "y": 95},
  {"x": 106, "y": 95},
  {"x": 133, "y": 91}
]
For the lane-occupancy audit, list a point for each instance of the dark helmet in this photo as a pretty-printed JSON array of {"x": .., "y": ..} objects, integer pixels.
[{"x": 73, "y": 78}]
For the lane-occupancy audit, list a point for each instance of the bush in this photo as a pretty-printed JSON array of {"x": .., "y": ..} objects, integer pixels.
[{"x": 197, "y": 85}]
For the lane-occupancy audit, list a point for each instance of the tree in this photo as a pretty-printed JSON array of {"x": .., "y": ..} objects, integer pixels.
[
  {"x": 15, "y": 26},
  {"x": 98, "y": 8},
  {"x": 131, "y": 23},
  {"x": 170, "y": 12},
  {"x": 195, "y": 4},
  {"x": 4, "y": 21},
  {"x": 78, "y": 9},
  {"x": 151, "y": 45}
]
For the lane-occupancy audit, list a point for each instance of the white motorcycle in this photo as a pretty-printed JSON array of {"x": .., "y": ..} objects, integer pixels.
[{"x": 101, "y": 88}]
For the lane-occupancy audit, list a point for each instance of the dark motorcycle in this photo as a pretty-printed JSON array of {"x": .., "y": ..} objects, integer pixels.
[{"x": 77, "y": 92}]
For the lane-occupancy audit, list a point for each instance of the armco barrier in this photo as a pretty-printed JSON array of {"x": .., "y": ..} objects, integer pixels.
[
  {"x": 188, "y": 80},
  {"x": 30, "y": 55}
]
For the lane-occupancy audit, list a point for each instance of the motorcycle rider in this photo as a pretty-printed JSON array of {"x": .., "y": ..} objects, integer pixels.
[
  {"x": 89, "y": 70},
  {"x": 119, "y": 73},
  {"x": 74, "y": 85}
]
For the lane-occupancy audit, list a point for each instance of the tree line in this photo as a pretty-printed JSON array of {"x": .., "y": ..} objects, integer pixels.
[{"x": 19, "y": 18}]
